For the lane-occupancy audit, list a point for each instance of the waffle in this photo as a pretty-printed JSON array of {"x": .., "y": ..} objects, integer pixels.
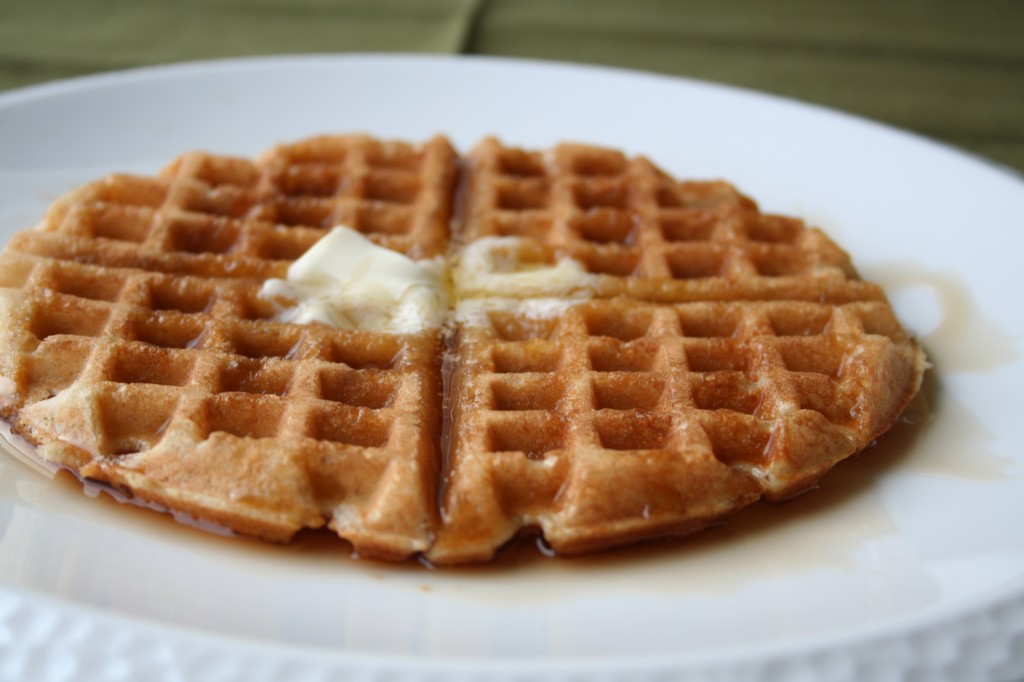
[
  {"x": 142, "y": 354},
  {"x": 605, "y": 421},
  {"x": 627, "y": 356},
  {"x": 724, "y": 355}
]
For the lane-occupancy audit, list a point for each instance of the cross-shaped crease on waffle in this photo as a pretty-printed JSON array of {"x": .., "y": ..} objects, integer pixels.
[{"x": 702, "y": 355}]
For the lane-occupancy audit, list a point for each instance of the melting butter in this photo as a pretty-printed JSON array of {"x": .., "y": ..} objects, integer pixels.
[
  {"x": 473, "y": 312},
  {"x": 347, "y": 281},
  {"x": 505, "y": 267}
]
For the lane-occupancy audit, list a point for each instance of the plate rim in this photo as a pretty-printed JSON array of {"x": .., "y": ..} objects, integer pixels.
[
  {"x": 957, "y": 626},
  {"x": 184, "y": 68}
]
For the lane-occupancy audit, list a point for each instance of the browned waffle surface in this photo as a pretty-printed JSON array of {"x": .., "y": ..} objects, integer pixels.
[
  {"x": 141, "y": 353},
  {"x": 611, "y": 420},
  {"x": 218, "y": 216},
  {"x": 636, "y": 231},
  {"x": 691, "y": 356}
]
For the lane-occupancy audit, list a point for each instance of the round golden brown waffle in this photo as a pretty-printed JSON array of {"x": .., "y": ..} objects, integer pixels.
[{"x": 693, "y": 356}]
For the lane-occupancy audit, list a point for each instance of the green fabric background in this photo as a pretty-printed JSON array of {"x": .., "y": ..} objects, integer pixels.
[{"x": 950, "y": 69}]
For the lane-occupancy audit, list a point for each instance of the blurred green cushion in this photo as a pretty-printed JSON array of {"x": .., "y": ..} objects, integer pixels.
[{"x": 948, "y": 69}]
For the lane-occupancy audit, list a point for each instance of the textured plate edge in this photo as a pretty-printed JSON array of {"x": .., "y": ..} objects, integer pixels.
[{"x": 44, "y": 639}]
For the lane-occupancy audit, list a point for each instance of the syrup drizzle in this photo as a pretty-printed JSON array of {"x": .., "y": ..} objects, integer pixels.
[
  {"x": 963, "y": 339},
  {"x": 24, "y": 452}
]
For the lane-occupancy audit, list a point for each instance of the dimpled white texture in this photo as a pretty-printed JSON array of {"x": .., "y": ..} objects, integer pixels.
[{"x": 42, "y": 639}]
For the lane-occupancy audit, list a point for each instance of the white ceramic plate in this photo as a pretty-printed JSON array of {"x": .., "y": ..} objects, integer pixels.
[{"x": 908, "y": 561}]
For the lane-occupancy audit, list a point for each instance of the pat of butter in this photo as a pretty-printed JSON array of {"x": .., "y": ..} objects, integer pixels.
[
  {"x": 347, "y": 281},
  {"x": 501, "y": 266}
]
